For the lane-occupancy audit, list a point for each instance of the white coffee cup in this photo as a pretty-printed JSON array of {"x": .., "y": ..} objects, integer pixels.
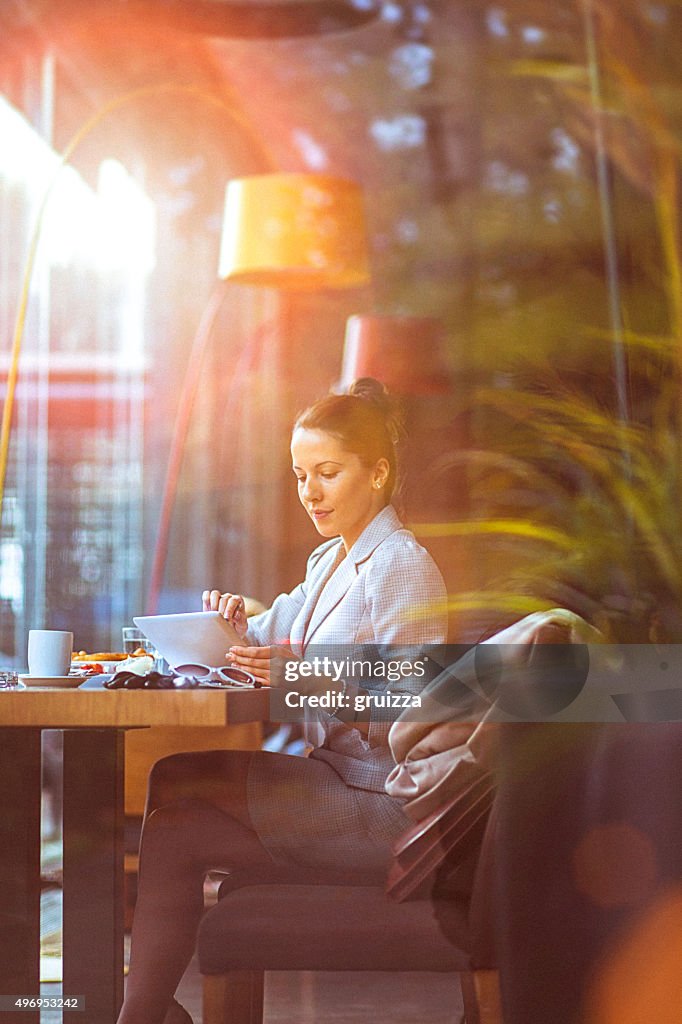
[{"x": 49, "y": 652}]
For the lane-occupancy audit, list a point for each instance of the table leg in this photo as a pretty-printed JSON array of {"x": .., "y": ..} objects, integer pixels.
[
  {"x": 93, "y": 873},
  {"x": 19, "y": 868}
]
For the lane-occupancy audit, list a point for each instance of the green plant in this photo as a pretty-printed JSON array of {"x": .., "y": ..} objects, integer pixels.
[
  {"x": 577, "y": 487},
  {"x": 588, "y": 507}
]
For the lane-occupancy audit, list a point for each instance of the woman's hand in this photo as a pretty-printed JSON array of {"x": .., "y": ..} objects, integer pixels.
[
  {"x": 265, "y": 663},
  {"x": 230, "y": 606}
]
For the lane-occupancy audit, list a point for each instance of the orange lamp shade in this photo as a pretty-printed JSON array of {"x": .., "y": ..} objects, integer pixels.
[
  {"x": 408, "y": 353},
  {"x": 294, "y": 231}
]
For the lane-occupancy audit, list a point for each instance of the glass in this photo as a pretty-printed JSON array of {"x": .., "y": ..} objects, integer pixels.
[
  {"x": 134, "y": 639},
  {"x": 510, "y": 184},
  {"x": 9, "y": 680},
  {"x": 226, "y": 675}
]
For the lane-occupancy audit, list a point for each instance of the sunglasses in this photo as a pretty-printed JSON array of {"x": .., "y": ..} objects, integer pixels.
[
  {"x": 185, "y": 677},
  {"x": 226, "y": 675}
]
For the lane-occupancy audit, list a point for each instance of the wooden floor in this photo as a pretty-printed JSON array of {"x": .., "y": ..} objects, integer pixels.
[{"x": 348, "y": 998}]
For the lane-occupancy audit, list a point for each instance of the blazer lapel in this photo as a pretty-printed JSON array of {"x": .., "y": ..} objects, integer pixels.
[
  {"x": 317, "y": 580},
  {"x": 331, "y": 593},
  {"x": 334, "y": 589}
]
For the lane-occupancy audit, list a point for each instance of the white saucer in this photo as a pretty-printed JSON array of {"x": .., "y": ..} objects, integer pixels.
[{"x": 62, "y": 681}]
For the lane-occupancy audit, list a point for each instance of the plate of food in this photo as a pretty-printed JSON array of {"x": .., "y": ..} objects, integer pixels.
[{"x": 105, "y": 662}]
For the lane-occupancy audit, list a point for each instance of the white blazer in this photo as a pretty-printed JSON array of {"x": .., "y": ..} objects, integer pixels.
[{"x": 387, "y": 592}]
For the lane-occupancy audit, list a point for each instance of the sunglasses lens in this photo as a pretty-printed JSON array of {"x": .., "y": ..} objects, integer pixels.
[
  {"x": 235, "y": 675},
  {"x": 198, "y": 671}
]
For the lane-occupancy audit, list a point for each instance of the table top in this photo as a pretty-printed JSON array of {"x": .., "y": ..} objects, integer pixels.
[{"x": 107, "y": 709}]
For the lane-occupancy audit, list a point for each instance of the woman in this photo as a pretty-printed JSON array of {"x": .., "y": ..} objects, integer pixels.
[{"x": 370, "y": 583}]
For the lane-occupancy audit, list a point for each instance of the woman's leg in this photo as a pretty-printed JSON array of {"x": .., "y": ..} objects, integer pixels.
[{"x": 196, "y": 820}]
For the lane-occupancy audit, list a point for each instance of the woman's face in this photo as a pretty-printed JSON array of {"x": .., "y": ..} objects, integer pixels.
[{"x": 340, "y": 494}]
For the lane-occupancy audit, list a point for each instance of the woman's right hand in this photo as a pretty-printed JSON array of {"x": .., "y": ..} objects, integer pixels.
[{"x": 230, "y": 606}]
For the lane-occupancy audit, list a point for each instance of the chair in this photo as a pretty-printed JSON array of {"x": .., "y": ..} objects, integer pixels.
[
  {"x": 295, "y": 923},
  {"x": 302, "y": 923},
  {"x": 292, "y": 924}
]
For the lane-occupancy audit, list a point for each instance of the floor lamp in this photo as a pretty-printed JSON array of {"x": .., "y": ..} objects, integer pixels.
[
  {"x": 302, "y": 231},
  {"x": 287, "y": 230}
]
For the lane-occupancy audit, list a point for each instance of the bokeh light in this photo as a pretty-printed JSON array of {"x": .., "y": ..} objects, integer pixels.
[{"x": 615, "y": 865}]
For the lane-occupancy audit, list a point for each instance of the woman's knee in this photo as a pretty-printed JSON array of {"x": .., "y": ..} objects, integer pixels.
[
  {"x": 215, "y": 776},
  {"x": 171, "y": 817},
  {"x": 191, "y": 835},
  {"x": 167, "y": 778},
  {"x": 177, "y": 831}
]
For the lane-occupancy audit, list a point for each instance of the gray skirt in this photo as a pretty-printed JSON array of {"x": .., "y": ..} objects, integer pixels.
[{"x": 306, "y": 816}]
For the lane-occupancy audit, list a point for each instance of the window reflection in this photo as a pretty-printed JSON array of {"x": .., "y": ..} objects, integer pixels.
[
  {"x": 77, "y": 446},
  {"x": 476, "y": 137}
]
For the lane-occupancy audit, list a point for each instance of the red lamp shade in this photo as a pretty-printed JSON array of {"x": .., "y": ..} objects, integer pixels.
[{"x": 407, "y": 353}]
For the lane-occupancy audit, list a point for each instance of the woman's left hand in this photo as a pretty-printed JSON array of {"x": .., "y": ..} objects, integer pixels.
[{"x": 259, "y": 662}]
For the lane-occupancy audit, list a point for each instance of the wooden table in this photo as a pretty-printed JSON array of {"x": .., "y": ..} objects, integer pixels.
[{"x": 93, "y": 722}]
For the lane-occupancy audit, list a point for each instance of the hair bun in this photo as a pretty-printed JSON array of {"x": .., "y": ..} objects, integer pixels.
[{"x": 369, "y": 389}]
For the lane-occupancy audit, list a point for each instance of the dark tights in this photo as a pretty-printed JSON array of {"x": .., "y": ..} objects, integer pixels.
[{"x": 196, "y": 820}]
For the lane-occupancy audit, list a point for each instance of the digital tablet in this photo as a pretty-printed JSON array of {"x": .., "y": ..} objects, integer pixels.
[{"x": 200, "y": 637}]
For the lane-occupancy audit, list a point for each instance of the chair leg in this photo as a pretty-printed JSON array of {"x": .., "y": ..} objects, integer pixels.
[
  {"x": 481, "y": 993},
  {"x": 233, "y": 998},
  {"x": 469, "y": 997}
]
